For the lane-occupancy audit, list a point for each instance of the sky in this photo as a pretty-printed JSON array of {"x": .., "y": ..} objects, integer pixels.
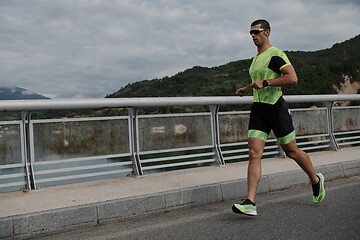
[{"x": 91, "y": 48}]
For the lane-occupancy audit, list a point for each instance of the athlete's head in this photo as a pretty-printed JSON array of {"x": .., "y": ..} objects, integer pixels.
[
  {"x": 260, "y": 31},
  {"x": 263, "y": 24}
]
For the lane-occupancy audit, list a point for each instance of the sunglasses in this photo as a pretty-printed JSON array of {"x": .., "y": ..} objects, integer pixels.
[{"x": 256, "y": 31}]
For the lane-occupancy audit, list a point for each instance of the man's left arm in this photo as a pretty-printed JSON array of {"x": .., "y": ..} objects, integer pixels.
[{"x": 288, "y": 77}]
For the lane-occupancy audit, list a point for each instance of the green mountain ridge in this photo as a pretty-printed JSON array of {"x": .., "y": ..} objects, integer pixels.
[{"x": 319, "y": 72}]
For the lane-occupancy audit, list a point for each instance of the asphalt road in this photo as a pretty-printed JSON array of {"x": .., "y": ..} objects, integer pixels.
[{"x": 287, "y": 214}]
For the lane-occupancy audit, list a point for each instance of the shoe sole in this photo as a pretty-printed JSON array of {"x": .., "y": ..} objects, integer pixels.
[
  {"x": 322, "y": 186},
  {"x": 247, "y": 213}
]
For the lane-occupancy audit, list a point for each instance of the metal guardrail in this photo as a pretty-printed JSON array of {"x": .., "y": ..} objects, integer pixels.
[
  {"x": 58, "y": 104},
  {"x": 39, "y": 153}
]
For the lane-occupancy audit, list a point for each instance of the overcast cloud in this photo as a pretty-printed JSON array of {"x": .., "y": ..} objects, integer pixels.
[{"x": 91, "y": 48}]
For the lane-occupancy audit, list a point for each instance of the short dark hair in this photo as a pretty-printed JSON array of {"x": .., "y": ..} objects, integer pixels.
[{"x": 263, "y": 23}]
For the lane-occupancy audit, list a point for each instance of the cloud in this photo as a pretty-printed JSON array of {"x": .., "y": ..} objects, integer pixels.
[{"x": 82, "y": 49}]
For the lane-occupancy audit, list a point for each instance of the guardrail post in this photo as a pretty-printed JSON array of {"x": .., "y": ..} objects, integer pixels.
[
  {"x": 27, "y": 149},
  {"x": 134, "y": 141},
  {"x": 216, "y": 135},
  {"x": 329, "y": 107}
]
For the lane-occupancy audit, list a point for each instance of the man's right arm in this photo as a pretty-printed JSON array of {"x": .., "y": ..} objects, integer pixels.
[{"x": 244, "y": 90}]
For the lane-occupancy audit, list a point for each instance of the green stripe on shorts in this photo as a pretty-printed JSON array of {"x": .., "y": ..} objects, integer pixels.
[
  {"x": 288, "y": 138},
  {"x": 257, "y": 134}
]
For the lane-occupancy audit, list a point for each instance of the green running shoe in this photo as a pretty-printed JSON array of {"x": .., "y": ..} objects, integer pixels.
[
  {"x": 247, "y": 207},
  {"x": 319, "y": 192}
]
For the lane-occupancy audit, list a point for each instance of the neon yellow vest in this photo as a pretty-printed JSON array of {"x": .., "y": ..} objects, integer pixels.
[{"x": 259, "y": 70}]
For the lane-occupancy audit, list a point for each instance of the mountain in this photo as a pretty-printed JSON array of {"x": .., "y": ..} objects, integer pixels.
[
  {"x": 319, "y": 72},
  {"x": 17, "y": 93}
]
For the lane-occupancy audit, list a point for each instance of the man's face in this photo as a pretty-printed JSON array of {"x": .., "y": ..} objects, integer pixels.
[{"x": 258, "y": 34}]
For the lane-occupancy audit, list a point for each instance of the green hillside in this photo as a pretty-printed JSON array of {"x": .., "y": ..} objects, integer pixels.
[{"x": 318, "y": 73}]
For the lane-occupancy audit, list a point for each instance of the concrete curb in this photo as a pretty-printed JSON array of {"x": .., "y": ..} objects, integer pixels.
[{"x": 65, "y": 219}]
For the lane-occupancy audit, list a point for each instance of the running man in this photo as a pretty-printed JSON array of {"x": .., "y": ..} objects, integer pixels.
[{"x": 269, "y": 71}]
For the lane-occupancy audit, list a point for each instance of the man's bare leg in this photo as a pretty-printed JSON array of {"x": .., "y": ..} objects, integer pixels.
[
  {"x": 301, "y": 158},
  {"x": 256, "y": 149}
]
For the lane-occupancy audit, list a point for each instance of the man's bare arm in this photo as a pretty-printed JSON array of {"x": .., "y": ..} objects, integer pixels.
[{"x": 288, "y": 78}]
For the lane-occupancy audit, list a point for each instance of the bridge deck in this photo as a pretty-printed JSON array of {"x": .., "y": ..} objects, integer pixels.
[{"x": 90, "y": 203}]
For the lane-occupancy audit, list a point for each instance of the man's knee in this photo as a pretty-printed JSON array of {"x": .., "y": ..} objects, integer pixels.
[
  {"x": 291, "y": 150},
  {"x": 255, "y": 154},
  {"x": 291, "y": 153},
  {"x": 256, "y": 148}
]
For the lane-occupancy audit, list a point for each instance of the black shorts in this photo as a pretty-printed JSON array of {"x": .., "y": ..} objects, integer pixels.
[{"x": 266, "y": 117}]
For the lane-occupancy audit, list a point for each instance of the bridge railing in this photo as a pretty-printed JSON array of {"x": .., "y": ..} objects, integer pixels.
[{"x": 38, "y": 153}]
